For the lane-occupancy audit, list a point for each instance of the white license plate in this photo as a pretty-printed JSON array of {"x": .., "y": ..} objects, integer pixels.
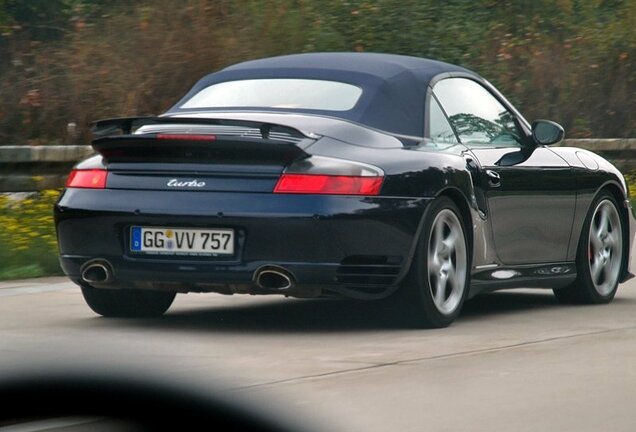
[{"x": 182, "y": 241}]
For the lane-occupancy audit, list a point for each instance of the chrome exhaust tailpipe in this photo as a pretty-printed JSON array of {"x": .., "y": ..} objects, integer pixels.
[
  {"x": 274, "y": 279},
  {"x": 98, "y": 271}
]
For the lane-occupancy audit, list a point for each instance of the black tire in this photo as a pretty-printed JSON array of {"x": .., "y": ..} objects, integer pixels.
[
  {"x": 416, "y": 299},
  {"x": 586, "y": 289},
  {"x": 127, "y": 303}
]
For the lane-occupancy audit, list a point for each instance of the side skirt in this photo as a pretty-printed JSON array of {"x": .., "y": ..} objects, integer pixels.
[{"x": 543, "y": 275}]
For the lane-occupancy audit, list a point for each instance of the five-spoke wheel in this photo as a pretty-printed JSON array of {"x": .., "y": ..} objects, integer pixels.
[
  {"x": 447, "y": 261},
  {"x": 605, "y": 247},
  {"x": 599, "y": 260},
  {"x": 438, "y": 280}
]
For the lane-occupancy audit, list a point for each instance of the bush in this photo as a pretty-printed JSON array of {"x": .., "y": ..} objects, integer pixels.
[
  {"x": 630, "y": 178},
  {"x": 574, "y": 62},
  {"x": 29, "y": 246}
]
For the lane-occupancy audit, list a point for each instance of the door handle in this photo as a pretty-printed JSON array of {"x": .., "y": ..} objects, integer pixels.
[{"x": 494, "y": 179}]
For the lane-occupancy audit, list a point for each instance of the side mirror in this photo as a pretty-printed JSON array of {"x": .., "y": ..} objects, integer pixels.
[{"x": 546, "y": 132}]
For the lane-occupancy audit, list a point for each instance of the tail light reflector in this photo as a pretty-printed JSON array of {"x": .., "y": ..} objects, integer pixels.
[
  {"x": 328, "y": 184},
  {"x": 87, "y": 179}
]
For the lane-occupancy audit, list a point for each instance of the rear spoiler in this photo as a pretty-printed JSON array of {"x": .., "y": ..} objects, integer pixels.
[
  {"x": 151, "y": 148},
  {"x": 127, "y": 125}
]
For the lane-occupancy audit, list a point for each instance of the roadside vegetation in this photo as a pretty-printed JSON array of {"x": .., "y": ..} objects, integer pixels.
[
  {"x": 630, "y": 178},
  {"x": 27, "y": 236},
  {"x": 78, "y": 60},
  {"x": 75, "y": 61}
]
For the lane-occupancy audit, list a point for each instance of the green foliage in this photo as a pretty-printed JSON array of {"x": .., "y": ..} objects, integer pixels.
[
  {"x": 427, "y": 29},
  {"x": 49, "y": 19},
  {"x": 4, "y": 16},
  {"x": 43, "y": 19},
  {"x": 630, "y": 178},
  {"x": 568, "y": 60},
  {"x": 573, "y": 61},
  {"x": 79, "y": 60},
  {"x": 29, "y": 247}
]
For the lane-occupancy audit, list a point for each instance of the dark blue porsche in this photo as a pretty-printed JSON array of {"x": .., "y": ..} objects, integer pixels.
[{"x": 341, "y": 174}]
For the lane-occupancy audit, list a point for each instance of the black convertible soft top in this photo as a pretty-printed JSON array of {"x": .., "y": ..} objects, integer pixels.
[{"x": 394, "y": 86}]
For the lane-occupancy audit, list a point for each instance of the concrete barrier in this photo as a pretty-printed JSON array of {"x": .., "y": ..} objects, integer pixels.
[{"x": 33, "y": 168}]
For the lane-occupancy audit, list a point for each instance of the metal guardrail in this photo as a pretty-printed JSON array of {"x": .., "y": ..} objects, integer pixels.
[{"x": 33, "y": 168}]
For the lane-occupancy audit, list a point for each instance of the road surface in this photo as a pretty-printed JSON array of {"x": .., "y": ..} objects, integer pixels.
[{"x": 514, "y": 360}]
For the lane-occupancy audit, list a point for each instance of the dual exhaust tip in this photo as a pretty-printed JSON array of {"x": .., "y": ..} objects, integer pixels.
[{"x": 271, "y": 278}]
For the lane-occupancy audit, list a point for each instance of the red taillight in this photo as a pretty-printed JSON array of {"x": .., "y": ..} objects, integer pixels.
[
  {"x": 186, "y": 137},
  {"x": 328, "y": 184},
  {"x": 88, "y": 179}
]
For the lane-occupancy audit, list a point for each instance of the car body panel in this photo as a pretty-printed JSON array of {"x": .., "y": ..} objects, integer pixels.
[
  {"x": 286, "y": 230},
  {"x": 523, "y": 233},
  {"x": 590, "y": 180},
  {"x": 532, "y": 206}
]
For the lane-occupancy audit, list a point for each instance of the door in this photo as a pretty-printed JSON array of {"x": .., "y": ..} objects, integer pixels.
[{"x": 530, "y": 190}]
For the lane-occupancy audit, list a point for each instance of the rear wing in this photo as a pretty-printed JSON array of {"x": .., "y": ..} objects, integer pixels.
[
  {"x": 253, "y": 142},
  {"x": 150, "y": 148},
  {"x": 127, "y": 125}
]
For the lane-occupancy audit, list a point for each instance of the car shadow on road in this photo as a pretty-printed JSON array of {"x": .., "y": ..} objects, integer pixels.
[
  {"x": 508, "y": 302},
  {"x": 513, "y": 302},
  {"x": 321, "y": 316},
  {"x": 284, "y": 316}
]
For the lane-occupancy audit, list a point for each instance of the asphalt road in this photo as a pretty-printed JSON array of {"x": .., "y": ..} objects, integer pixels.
[{"x": 515, "y": 360}]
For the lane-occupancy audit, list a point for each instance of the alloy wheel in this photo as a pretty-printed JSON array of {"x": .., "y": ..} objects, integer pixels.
[
  {"x": 447, "y": 262},
  {"x": 605, "y": 247}
]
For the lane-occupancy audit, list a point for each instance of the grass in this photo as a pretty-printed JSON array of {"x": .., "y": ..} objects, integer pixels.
[
  {"x": 27, "y": 236},
  {"x": 630, "y": 178}
]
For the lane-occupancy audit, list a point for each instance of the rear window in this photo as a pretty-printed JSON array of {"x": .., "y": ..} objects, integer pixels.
[{"x": 278, "y": 93}]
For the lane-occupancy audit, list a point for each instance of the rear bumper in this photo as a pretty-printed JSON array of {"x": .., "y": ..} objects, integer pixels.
[{"x": 357, "y": 246}]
